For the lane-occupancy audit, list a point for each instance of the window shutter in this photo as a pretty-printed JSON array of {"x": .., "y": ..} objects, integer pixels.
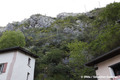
[{"x": 4, "y": 68}]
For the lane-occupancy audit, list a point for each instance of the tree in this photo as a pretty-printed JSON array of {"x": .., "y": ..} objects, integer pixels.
[
  {"x": 12, "y": 39},
  {"x": 51, "y": 66},
  {"x": 105, "y": 41},
  {"x": 78, "y": 57},
  {"x": 111, "y": 12}
]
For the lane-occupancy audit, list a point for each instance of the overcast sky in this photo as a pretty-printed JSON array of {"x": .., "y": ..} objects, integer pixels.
[{"x": 17, "y": 10}]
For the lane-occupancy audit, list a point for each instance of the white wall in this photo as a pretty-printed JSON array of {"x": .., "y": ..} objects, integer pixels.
[
  {"x": 104, "y": 69},
  {"x": 6, "y": 57},
  {"x": 19, "y": 61},
  {"x": 21, "y": 67}
]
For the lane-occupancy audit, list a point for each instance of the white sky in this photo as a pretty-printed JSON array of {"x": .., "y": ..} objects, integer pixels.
[{"x": 17, "y": 10}]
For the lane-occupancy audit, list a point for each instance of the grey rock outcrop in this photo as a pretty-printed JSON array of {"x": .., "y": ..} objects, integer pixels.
[
  {"x": 9, "y": 26},
  {"x": 35, "y": 21},
  {"x": 2, "y": 29},
  {"x": 64, "y": 15}
]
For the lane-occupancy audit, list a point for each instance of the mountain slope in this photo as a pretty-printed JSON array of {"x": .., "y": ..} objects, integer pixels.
[{"x": 66, "y": 42}]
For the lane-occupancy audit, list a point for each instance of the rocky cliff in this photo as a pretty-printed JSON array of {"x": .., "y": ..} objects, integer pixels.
[
  {"x": 2, "y": 29},
  {"x": 35, "y": 21},
  {"x": 45, "y": 30}
]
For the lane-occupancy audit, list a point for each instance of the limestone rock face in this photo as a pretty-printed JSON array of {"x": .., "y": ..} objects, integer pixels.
[
  {"x": 2, "y": 29},
  {"x": 64, "y": 15},
  {"x": 44, "y": 21},
  {"x": 32, "y": 22},
  {"x": 35, "y": 21},
  {"x": 9, "y": 26}
]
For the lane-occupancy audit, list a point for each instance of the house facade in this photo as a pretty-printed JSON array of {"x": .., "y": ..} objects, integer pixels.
[
  {"x": 107, "y": 66},
  {"x": 16, "y": 64}
]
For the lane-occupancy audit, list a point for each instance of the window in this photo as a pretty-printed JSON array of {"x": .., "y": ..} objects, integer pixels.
[
  {"x": 3, "y": 67},
  {"x": 116, "y": 69},
  {"x": 29, "y": 61},
  {"x": 28, "y": 74}
]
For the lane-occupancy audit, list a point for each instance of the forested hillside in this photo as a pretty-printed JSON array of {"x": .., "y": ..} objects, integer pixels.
[{"x": 67, "y": 42}]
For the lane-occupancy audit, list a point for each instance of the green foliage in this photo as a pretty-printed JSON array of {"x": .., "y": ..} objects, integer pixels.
[
  {"x": 71, "y": 19},
  {"x": 11, "y": 39},
  {"x": 58, "y": 42},
  {"x": 100, "y": 36},
  {"x": 83, "y": 18},
  {"x": 111, "y": 12},
  {"x": 58, "y": 77},
  {"x": 51, "y": 65},
  {"x": 66, "y": 22},
  {"x": 79, "y": 56},
  {"x": 107, "y": 40},
  {"x": 54, "y": 56}
]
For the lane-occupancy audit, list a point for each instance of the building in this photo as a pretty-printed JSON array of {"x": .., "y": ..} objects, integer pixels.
[
  {"x": 108, "y": 65},
  {"x": 16, "y": 64}
]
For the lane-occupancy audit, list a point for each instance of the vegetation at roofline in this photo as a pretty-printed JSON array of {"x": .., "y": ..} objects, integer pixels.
[
  {"x": 66, "y": 44},
  {"x": 12, "y": 39}
]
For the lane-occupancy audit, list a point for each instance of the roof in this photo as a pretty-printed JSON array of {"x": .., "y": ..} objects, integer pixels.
[
  {"x": 19, "y": 49},
  {"x": 104, "y": 57}
]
